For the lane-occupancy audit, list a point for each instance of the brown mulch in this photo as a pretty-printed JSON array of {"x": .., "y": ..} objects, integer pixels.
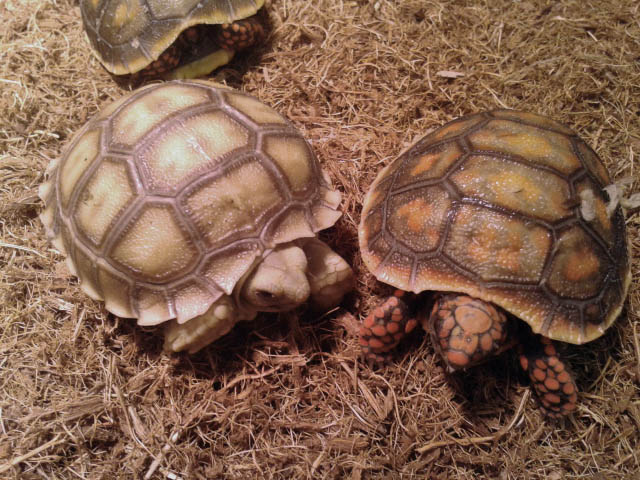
[{"x": 84, "y": 394}]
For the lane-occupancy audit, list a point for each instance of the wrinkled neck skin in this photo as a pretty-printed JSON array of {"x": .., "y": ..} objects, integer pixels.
[{"x": 278, "y": 283}]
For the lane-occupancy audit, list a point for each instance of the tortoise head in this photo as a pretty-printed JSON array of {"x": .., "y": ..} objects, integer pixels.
[{"x": 278, "y": 283}]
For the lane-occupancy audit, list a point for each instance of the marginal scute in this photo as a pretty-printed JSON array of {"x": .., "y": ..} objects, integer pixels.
[
  {"x": 191, "y": 300},
  {"x": 593, "y": 163},
  {"x": 87, "y": 272},
  {"x": 67, "y": 245},
  {"x": 330, "y": 197},
  {"x": 152, "y": 305},
  {"x": 227, "y": 267},
  {"x": 290, "y": 225},
  {"x": 396, "y": 269},
  {"x": 372, "y": 225},
  {"x": 324, "y": 217},
  {"x": 116, "y": 292},
  {"x": 593, "y": 209}
]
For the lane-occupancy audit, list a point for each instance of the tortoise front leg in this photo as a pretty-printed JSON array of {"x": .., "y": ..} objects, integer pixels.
[
  {"x": 385, "y": 326},
  {"x": 551, "y": 381},
  {"x": 200, "y": 331},
  {"x": 467, "y": 331},
  {"x": 330, "y": 277}
]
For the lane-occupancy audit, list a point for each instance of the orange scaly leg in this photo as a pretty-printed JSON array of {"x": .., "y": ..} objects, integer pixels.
[
  {"x": 466, "y": 330},
  {"x": 550, "y": 379},
  {"x": 240, "y": 34},
  {"x": 385, "y": 326}
]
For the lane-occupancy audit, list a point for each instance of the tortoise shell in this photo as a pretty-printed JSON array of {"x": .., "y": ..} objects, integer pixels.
[
  {"x": 508, "y": 207},
  {"x": 127, "y": 35},
  {"x": 165, "y": 199}
]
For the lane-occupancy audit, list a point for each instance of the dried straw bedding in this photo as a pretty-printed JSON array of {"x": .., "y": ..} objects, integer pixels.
[{"x": 88, "y": 395}]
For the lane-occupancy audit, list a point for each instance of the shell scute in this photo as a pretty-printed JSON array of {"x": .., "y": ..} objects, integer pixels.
[
  {"x": 514, "y": 186},
  {"x": 287, "y": 153},
  {"x": 496, "y": 247},
  {"x": 522, "y": 223},
  {"x": 536, "y": 146},
  {"x": 233, "y": 205},
  {"x": 103, "y": 199},
  {"x": 148, "y": 108},
  {"x": 163, "y": 228},
  {"x": 187, "y": 149},
  {"x": 78, "y": 160},
  {"x": 154, "y": 246},
  {"x": 128, "y": 35},
  {"x": 420, "y": 217}
]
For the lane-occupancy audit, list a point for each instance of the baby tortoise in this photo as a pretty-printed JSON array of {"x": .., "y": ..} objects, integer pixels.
[
  {"x": 174, "y": 40},
  {"x": 188, "y": 203},
  {"x": 499, "y": 215}
]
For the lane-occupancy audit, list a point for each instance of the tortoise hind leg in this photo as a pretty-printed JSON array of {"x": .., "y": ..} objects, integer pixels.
[
  {"x": 550, "y": 378},
  {"x": 240, "y": 34},
  {"x": 467, "y": 331},
  {"x": 385, "y": 326}
]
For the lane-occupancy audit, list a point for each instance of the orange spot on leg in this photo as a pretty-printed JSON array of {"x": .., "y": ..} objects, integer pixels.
[
  {"x": 411, "y": 324},
  {"x": 568, "y": 388},
  {"x": 552, "y": 384},
  {"x": 457, "y": 359},
  {"x": 379, "y": 330},
  {"x": 551, "y": 398},
  {"x": 539, "y": 375}
]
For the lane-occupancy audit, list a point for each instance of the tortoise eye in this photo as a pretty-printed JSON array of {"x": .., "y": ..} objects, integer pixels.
[{"x": 265, "y": 295}]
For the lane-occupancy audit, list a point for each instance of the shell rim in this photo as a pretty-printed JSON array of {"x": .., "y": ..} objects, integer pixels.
[
  {"x": 371, "y": 262},
  {"x": 163, "y": 43}
]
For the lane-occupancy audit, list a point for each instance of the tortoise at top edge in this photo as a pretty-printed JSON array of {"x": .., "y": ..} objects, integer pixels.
[
  {"x": 178, "y": 39},
  {"x": 507, "y": 211},
  {"x": 188, "y": 202}
]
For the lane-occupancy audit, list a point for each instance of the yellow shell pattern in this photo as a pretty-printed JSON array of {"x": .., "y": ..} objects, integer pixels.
[
  {"x": 169, "y": 196},
  {"x": 508, "y": 207}
]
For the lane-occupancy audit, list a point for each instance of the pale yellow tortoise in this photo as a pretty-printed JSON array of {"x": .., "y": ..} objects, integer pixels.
[
  {"x": 194, "y": 204},
  {"x": 176, "y": 39}
]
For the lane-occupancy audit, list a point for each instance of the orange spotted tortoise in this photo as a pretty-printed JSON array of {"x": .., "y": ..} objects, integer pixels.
[
  {"x": 498, "y": 216},
  {"x": 177, "y": 39},
  {"x": 194, "y": 204}
]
